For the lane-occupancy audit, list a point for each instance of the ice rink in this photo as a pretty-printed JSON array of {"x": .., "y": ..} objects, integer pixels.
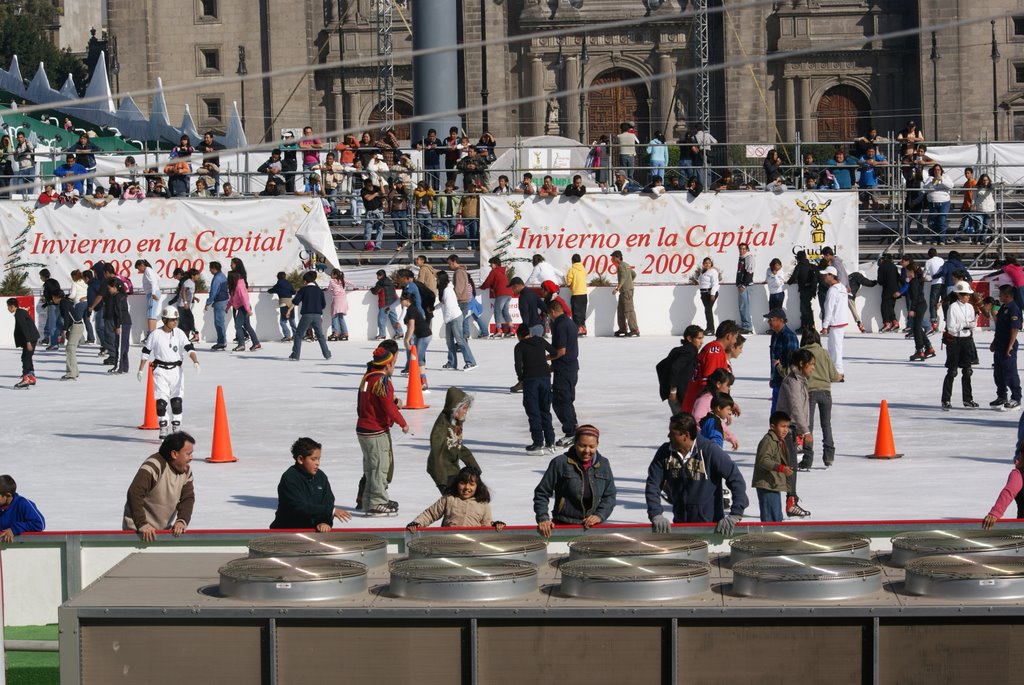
[{"x": 73, "y": 447}]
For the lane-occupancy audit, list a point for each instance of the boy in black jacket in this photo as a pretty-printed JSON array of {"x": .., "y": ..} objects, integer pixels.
[
  {"x": 26, "y": 335},
  {"x": 531, "y": 354}
]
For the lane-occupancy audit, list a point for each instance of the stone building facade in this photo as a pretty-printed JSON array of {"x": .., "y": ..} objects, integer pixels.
[{"x": 842, "y": 73}]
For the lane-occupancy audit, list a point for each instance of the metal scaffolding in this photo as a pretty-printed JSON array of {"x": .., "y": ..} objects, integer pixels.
[
  {"x": 383, "y": 21},
  {"x": 702, "y": 58}
]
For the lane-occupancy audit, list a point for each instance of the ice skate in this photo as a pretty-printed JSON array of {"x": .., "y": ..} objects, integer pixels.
[{"x": 23, "y": 383}]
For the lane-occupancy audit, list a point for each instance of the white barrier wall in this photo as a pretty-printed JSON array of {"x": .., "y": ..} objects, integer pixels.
[{"x": 660, "y": 309}]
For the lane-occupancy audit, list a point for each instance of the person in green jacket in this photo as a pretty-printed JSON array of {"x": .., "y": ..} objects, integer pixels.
[
  {"x": 446, "y": 448},
  {"x": 772, "y": 466},
  {"x": 304, "y": 496},
  {"x": 819, "y": 393}
]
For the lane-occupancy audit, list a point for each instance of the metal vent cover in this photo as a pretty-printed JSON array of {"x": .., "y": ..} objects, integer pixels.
[
  {"x": 462, "y": 579},
  {"x": 927, "y": 543},
  {"x": 806, "y": 578},
  {"x": 634, "y": 579},
  {"x": 950, "y": 576},
  {"x": 622, "y": 545},
  {"x": 291, "y": 579},
  {"x": 365, "y": 548},
  {"x": 528, "y": 548},
  {"x": 785, "y": 544}
]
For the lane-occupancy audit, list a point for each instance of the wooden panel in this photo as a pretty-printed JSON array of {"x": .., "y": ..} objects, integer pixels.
[
  {"x": 614, "y": 104},
  {"x": 171, "y": 654},
  {"x": 369, "y": 654},
  {"x": 783, "y": 653},
  {"x": 569, "y": 654},
  {"x": 842, "y": 114},
  {"x": 959, "y": 653}
]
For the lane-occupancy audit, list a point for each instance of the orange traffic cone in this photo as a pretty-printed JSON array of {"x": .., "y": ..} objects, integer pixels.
[
  {"x": 885, "y": 448},
  {"x": 221, "y": 452},
  {"x": 414, "y": 396},
  {"x": 150, "y": 422}
]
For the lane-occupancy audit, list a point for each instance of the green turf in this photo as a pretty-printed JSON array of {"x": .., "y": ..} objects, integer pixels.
[{"x": 32, "y": 668}]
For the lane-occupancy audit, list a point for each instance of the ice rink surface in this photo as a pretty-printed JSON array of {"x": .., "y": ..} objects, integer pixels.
[{"x": 73, "y": 447}]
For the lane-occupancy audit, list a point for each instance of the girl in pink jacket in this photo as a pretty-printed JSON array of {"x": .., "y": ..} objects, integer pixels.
[
  {"x": 238, "y": 300},
  {"x": 339, "y": 306},
  {"x": 1010, "y": 492}
]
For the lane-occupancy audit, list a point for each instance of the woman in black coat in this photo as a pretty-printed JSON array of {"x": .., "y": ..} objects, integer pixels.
[
  {"x": 889, "y": 280},
  {"x": 918, "y": 304}
]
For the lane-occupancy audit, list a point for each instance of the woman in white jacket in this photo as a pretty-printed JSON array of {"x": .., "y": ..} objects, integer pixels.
[
  {"x": 707, "y": 281},
  {"x": 961, "y": 319},
  {"x": 937, "y": 189},
  {"x": 984, "y": 206},
  {"x": 775, "y": 279},
  {"x": 451, "y": 314}
]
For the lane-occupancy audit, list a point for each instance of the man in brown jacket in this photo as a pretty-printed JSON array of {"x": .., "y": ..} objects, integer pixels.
[
  {"x": 624, "y": 289},
  {"x": 161, "y": 495},
  {"x": 463, "y": 290}
]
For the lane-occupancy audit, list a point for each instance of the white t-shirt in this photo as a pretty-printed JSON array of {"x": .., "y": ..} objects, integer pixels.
[{"x": 166, "y": 347}]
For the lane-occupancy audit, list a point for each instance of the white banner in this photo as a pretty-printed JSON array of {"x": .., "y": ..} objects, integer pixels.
[
  {"x": 268, "y": 235},
  {"x": 665, "y": 238}
]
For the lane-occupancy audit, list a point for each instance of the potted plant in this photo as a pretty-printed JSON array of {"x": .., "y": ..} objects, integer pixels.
[{"x": 13, "y": 285}]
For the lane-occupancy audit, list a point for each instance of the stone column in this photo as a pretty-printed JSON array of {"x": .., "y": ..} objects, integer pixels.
[
  {"x": 806, "y": 134},
  {"x": 338, "y": 93},
  {"x": 571, "y": 104},
  {"x": 666, "y": 65},
  {"x": 434, "y": 26},
  {"x": 789, "y": 109},
  {"x": 538, "y": 111}
]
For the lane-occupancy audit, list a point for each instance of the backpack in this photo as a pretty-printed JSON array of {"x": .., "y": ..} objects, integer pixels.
[
  {"x": 663, "y": 369},
  {"x": 128, "y": 287},
  {"x": 427, "y": 298}
]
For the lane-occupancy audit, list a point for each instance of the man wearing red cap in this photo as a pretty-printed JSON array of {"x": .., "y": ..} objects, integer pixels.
[{"x": 377, "y": 409}]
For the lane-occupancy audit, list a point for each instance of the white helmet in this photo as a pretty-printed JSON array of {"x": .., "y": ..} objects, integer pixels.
[
  {"x": 963, "y": 288},
  {"x": 169, "y": 313}
]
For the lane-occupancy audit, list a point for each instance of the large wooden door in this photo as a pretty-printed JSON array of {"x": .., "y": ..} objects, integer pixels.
[
  {"x": 402, "y": 110},
  {"x": 843, "y": 114},
  {"x": 614, "y": 104}
]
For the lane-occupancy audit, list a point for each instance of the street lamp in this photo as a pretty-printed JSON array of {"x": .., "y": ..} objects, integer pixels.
[
  {"x": 584, "y": 58},
  {"x": 242, "y": 71},
  {"x": 483, "y": 68},
  {"x": 115, "y": 66},
  {"x": 995, "y": 93},
  {"x": 934, "y": 57}
]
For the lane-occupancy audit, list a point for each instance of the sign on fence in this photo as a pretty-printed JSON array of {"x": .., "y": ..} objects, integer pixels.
[
  {"x": 268, "y": 235},
  {"x": 665, "y": 238}
]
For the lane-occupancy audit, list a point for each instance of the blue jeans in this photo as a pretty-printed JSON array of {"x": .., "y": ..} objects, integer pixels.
[
  {"x": 466, "y": 333},
  {"x": 287, "y": 322},
  {"x": 537, "y": 403},
  {"x": 770, "y": 504},
  {"x": 421, "y": 345},
  {"x": 628, "y": 164},
  {"x": 400, "y": 222},
  {"x": 338, "y": 325},
  {"x": 938, "y": 213},
  {"x": 776, "y": 300},
  {"x": 243, "y": 326},
  {"x": 934, "y": 296},
  {"x": 453, "y": 336},
  {"x": 305, "y": 322},
  {"x": 744, "y": 297},
  {"x": 563, "y": 395},
  {"x": 219, "y": 309},
  {"x": 374, "y": 220},
  {"x": 102, "y": 334},
  {"x": 501, "y": 315},
  {"x": 383, "y": 316},
  {"x": 26, "y": 176},
  {"x": 53, "y": 323},
  {"x": 82, "y": 313}
]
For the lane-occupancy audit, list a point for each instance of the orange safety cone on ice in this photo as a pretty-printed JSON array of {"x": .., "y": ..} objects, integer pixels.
[
  {"x": 221, "y": 453},
  {"x": 414, "y": 395},
  {"x": 885, "y": 448},
  {"x": 150, "y": 422}
]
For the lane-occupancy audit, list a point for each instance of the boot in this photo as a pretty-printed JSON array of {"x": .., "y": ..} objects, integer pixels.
[{"x": 23, "y": 383}]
